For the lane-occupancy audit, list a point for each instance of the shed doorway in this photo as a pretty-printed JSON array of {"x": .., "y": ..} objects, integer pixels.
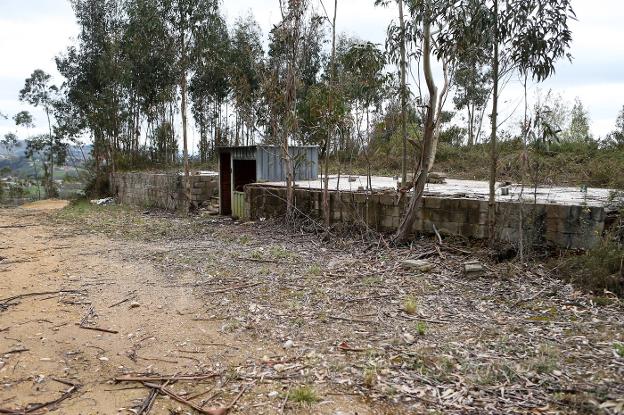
[
  {"x": 225, "y": 187},
  {"x": 244, "y": 173}
]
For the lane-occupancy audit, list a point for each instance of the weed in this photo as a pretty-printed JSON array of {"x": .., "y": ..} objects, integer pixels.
[
  {"x": 603, "y": 301},
  {"x": 315, "y": 270},
  {"x": 545, "y": 362},
  {"x": 598, "y": 269},
  {"x": 244, "y": 239},
  {"x": 256, "y": 255},
  {"x": 372, "y": 281},
  {"x": 619, "y": 349},
  {"x": 303, "y": 394},
  {"x": 410, "y": 306},
  {"x": 421, "y": 328},
  {"x": 370, "y": 377},
  {"x": 280, "y": 252}
]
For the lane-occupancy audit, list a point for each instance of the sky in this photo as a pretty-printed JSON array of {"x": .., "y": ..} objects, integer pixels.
[{"x": 33, "y": 32}]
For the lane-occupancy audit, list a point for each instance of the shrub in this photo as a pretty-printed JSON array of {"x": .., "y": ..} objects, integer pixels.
[
  {"x": 303, "y": 394},
  {"x": 599, "y": 269}
]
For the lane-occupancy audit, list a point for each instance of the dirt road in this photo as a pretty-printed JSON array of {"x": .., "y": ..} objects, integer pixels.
[
  {"x": 284, "y": 323},
  {"x": 159, "y": 328}
]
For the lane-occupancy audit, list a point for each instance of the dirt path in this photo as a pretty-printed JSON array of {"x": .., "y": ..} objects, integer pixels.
[
  {"x": 295, "y": 325},
  {"x": 161, "y": 328}
]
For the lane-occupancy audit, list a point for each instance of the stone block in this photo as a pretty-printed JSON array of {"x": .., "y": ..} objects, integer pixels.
[
  {"x": 420, "y": 265},
  {"x": 388, "y": 199},
  {"x": 360, "y": 197},
  {"x": 432, "y": 202},
  {"x": 473, "y": 269}
]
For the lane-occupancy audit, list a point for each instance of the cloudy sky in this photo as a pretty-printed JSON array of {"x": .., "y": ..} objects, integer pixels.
[{"x": 32, "y": 32}]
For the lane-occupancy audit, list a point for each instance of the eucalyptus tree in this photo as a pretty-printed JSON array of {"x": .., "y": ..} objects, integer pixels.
[
  {"x": 210, "y": 83},
  {"x": 578, "y": 128},
  {"x": 95, "y": 81},
  {"x": 40, "y": 93},
  {"x": 187, "y": 20},
  {"x": 528, "y": 36},
  {"x": 246, "y": 63},
  {"x": 149, "y": 51},
  {"x": 452, "y": 30},
  {"x": 400, "y": 36},
  {"x": 364, "y": 65},
  {"x": 615, "y": 139},
  {"x": 281, "y": 85},
  {"x": 473, "y": 87}
]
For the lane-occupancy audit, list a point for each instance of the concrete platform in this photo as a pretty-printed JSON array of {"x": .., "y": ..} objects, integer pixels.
[{"x": 470, "y": 189}]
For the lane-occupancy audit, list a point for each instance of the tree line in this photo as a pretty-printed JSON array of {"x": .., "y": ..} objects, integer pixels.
[{"x": 138, "y": 68}]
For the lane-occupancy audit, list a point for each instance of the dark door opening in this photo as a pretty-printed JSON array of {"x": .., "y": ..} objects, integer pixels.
[
  {"x": 244, "y": 173},
  {"x": 225, "y": 180}
]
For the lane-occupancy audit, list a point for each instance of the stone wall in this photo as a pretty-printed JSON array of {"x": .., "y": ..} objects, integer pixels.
[
  {"x": 563, "y": 226},
  {"x": 162, "y": 190}
]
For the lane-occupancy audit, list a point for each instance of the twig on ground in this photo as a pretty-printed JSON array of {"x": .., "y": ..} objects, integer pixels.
[
  {"x": 35, "y": 407},
  {"x": 20, "y": 296},
  {"x": 238, "y": 287},
  {"x": 172, "y": 378}
]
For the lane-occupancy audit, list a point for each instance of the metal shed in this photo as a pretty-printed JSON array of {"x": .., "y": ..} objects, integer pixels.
[{"x": 239, "y": 166}]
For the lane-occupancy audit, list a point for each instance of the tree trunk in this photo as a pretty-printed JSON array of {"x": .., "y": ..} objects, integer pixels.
[
  {"x": 493, "y": 151},
  {"x": 183, "y": 81},
  {"x": 429, "y": 143},
  {"x": 403, "y": 98},
  {"x": 330, "y": 130},
  {"x": 50, "y": 180},
  {"x": 471, "y": 111}
]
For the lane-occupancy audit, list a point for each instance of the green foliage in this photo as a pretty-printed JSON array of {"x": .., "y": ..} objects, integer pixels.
[
  {"x": 599, "y": 269},
  {"x": 578, "y": 130},
  {"x": 410, "y": 305},
  {"x": 24, "y": 119},
  {"x": 619, "y": 349},
  {"x": 303, "y": 394},
  {"x": 616, "y": 138}
]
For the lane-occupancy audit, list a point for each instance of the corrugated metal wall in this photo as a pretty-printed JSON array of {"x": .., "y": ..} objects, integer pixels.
[{"x": 269, "y": 163}]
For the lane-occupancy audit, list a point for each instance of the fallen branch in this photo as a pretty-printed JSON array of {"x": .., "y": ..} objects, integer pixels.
[
  {"x": 16, "y": 226},
  {"x": 35, "y": 407},
  {"x": 238, "y": 287},
  {"x": 20, "y": 296},
  {"x": 210, "y": 411},
  {"x": 258, "y": 260},
  {"x": 15, "y": 351},
  {"x": 172, "y": 378},
  {"x": 98, "y": 329},
  {"x": 147, "y": 404}
]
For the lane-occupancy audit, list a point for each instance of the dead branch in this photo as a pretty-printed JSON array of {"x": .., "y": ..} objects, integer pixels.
[
  {"x": 34, "y": 294},
  {"x": 35, "y": 407},
  {"x": 209, "y": 411},
  {"x": 172, "y": 378},
  {"x": 238, "y": 287},
  {"x": 15, "y": 351},
  {"x": 98, "y": 329}
]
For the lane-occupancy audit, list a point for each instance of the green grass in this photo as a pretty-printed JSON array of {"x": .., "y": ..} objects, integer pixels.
[
  {"x": 315, "y": 270},
  {"x": 280, "y": 252},
  {"x": 303, "y": 394},
  {"x": 421, "y": 328},
  {"x": 410, "y": 306},
  {"x": 619, "y": 349},
  {"x": 598, "y": 269}
]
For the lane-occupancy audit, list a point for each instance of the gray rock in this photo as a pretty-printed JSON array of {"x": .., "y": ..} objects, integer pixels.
[
  {"x": 474, "y": 269},
  {"x": 419, "y": 265}
]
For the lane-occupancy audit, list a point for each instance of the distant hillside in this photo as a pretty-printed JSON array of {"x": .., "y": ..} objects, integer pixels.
[{"x": 15, "y": 159}]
